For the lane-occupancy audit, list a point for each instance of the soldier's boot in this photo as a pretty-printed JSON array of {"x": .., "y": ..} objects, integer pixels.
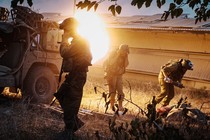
[
  {"x": 122, "y": 111},
  {"x": 3, "y": 98},
  {"x": 112, "y": 105},
  {"x": 111, "y": 109},
  {"x": 78, "y": 124},
  {"x": 67, "y": 134},
  {"x": 120, "y": 106}
]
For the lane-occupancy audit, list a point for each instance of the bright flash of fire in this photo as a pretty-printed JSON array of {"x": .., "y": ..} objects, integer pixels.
[{"x": 93, "y": 29}]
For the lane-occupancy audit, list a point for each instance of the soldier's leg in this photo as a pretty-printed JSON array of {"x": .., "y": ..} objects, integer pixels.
[
  {"x": 61, "y": 92},
  {"x": 164, "y": 90},
  {"x": 112, "y": 91},
  {"x": 170, "y": 95},
  {"x": 120, "y": 93},
  {"x": 72, "y": 101}
]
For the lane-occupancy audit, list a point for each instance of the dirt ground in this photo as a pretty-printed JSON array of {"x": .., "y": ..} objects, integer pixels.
[{"x": 22, "y": 120}]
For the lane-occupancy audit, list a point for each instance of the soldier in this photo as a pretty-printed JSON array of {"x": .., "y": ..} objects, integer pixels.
[
  {"x": 171, "y": 75},
  {"x": 76, "y": 59},
  {"x": 115, "y": 66}
]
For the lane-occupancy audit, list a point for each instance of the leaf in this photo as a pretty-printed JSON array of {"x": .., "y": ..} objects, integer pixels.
[
  {"x": 112, "y": 9},
  {"x": 204, "y": 18},
  {"x": 134, "y": 2},
  {"x": 30, "y": 3},
  {"x": 197, "y": 1},
  {"x": 179, "y": 12},
  {"x": 163, "y": 2},
  {"x": 172, "y": 6},
  {"x": 200, "y": 18},
  {"x": 166, "y": 15},
  {"x": 163, "y": 15},
  {"x": 158, "y": 4},
  {"x": 196, "y": 20},
  {"x": 95, "y": 6},
  {"x": 206, "y": 2},
  {"x": 91, "y": 5},
  {"x": 148, "y": 3},
  {"x": 140, "y": 3},
  {"x": 192, "y": 4},
  {"x": 178, "y": 1},
  {"x": 118, "y": 9},
  {"x": 208, "y": 13},
  {"x": 86, "y": 3},
  {"x": 173, "y": 13},
  {"x": 14, "y": 3},
  {"x": 79, "y": 5},
  {"x": 196, "y": 10},
  {"x": 21, "y": 1},
  {"x": 188, "y": 1}
]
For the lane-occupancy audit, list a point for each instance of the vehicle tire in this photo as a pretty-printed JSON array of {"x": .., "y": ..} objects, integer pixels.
[
  {"x": 40, "y": 84},
  {"x": 1, "y": 89}
]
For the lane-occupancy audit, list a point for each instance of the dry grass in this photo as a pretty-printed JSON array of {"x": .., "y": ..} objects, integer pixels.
[
  {"x": 140, "y": 93},
  {"x": 21, "y": 120}
]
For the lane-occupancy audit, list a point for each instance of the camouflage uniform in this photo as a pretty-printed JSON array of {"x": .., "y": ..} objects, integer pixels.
[
  {"x": 115, "y": 67},
  {"x": 78, "y": 56},
  {"x": 173, "y": 70}
]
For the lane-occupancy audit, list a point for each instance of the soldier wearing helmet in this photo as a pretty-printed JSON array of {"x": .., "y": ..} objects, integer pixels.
[
  {"x": 76, "y": 59},
  {"x": 115, "y": 66},
  {"x": 171, "y": 75}
]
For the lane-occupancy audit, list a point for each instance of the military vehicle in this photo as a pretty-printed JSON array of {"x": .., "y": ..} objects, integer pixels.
[{"x": 29, "y": 53}]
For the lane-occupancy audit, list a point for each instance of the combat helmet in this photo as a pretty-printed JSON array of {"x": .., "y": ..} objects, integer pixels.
[
  {"x": 69, "y": 23},
  {"x": 124, "y": 47},
  {"x": 187, "y": 64}
]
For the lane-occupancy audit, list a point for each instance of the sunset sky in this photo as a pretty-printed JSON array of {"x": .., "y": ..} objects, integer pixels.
[{"x": 65, "y": 7}]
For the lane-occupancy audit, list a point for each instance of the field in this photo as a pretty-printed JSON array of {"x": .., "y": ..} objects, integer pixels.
[{"x": 23, "y": 120}]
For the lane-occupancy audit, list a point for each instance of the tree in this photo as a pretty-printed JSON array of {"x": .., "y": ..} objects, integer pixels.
[
  {"x": 175, "y": 9},
  {"x": 15, "y": 2}
]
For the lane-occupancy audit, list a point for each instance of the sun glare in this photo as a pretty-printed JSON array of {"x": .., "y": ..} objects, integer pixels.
[{"x": 93, "y": 29}]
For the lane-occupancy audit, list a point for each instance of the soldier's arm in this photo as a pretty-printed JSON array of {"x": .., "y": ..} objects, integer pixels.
[
  {"x": 64, "y": 49},
  {"x": 65, "y": 46},
  {"x": 70, "y": 50},
  {"x": 126, "y": 61},
  {"x": 181, "y": 78},
  {"x": 168, "y": 69},
  {"x": 105, "y": 63}
]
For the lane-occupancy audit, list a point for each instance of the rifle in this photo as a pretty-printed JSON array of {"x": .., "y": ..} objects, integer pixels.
[
  {"x": 175, "y": 83},
  {"x": 178, "y": 84},
  {"x": 59, "y": 80}
]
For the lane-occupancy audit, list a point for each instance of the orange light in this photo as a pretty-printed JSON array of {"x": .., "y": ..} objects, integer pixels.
[{"x": 92, "y": 27}]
